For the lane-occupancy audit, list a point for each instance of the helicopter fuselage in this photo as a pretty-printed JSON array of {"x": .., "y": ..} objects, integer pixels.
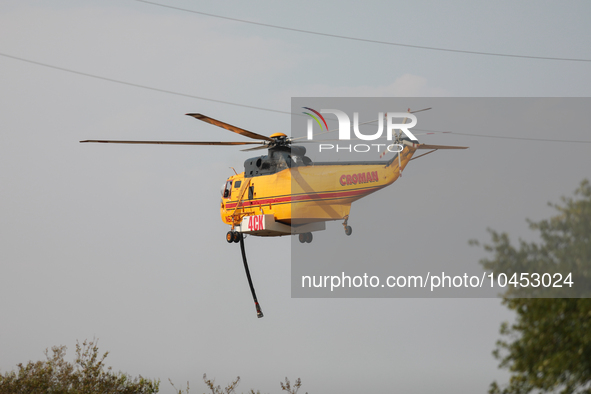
[{"x": 285, "y": 193}]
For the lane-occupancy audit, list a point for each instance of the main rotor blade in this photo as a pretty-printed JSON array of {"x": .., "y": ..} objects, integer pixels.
[
  {"x": 425, "y": 146},
  {"x": 255, "y": 148},
  {"x": 174, "y": 142},
  {"x": 233, "y": 129},
  {"x": 419, "y": 110}
]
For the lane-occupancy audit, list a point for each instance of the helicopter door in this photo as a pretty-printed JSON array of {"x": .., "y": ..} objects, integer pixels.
[{"x": 250, "y": 192}]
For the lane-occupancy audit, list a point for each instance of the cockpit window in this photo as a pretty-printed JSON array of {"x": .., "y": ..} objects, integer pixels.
[
  {"x": 228, "y": 189},
  {"x": 237, "y": 184}
]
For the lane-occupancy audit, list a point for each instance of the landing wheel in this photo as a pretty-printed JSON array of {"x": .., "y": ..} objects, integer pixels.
[
  {"x": 306, "y": 237},
  {"x": 237, "y": 236},
  {"x": 348, "y": 229},
  {"x": 230, "y": 237}
]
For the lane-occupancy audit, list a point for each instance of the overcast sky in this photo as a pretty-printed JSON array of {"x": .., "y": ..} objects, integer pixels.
[{"x": 125, "y": 243}]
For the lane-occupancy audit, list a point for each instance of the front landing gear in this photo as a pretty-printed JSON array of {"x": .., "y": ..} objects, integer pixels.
[
  {"x": 348, "y": 229},
  {"x": 306, "y": 237},
  {"x": 233, "y": 236}
]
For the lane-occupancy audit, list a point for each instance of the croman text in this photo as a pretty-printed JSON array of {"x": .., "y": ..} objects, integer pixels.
[{"x": 363, "y": 177}]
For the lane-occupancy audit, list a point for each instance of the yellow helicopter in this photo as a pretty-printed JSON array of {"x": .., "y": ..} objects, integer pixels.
[{"x": 285, "y": 193}]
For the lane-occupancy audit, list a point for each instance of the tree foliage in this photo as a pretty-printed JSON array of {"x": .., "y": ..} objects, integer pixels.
[
  {"x": 231, "y": 387},
  {"x": 548, "y": 348},
  {"x": 87, "y": 375}
]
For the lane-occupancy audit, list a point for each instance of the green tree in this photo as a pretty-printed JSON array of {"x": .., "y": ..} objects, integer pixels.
[
  {"x": 86, "y": 376},
  {"x": 548, "y": 348},
  {"x": 231, "y": 387}
]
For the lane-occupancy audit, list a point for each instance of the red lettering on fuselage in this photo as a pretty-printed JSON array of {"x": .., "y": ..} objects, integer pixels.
[
  {"x": 363, "y": 177},
  {"x": 255, "y": 223}
]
